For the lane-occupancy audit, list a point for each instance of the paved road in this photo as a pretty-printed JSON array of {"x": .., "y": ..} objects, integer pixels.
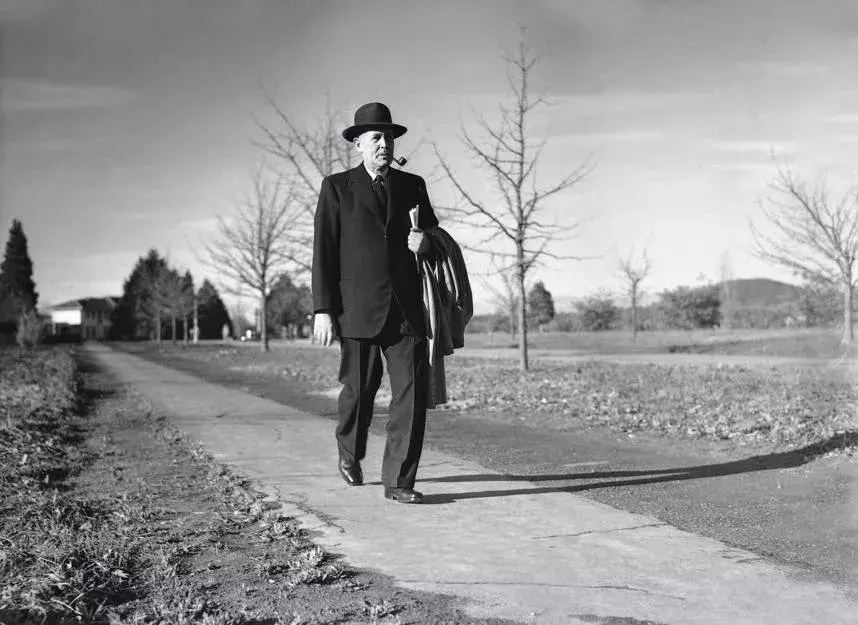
[{"x": 510, "y": 546}]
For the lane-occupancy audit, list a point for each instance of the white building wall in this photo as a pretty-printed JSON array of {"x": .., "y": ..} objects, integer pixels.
[{"x": 71, "y": 317}]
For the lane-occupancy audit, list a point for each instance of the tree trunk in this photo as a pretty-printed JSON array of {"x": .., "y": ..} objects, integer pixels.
[
  {"x": 158, "y": 330},
  {"x": 726, "y": 306},
  {"x": 186, "y": 329},
  {"x": 196, "y": 322},
  {"x": 848, "y": 302},
  {"x": 173, "y": 328},
  {"x": 513, "y": 319},
  {"x": 263, "y": 326},
  {"x": 522, "y": 315},
  {"x": 634, "y": 314}
]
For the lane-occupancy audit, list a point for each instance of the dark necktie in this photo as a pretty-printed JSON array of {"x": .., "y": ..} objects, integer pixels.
[{"x": 380, "y": 192}]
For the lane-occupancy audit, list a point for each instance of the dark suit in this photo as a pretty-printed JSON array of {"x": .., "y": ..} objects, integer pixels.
[{"x": 365, "y": 276}]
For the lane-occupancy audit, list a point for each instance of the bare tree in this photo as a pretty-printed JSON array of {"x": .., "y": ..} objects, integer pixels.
[
  {"x": 511, "y": 159},
  {"x": 171, "y": 298},
  {"x": 258, "y": 245},
  {"x": 504, "y": 295},
  {"x": 157, "y": 306},
  {"x": 634, "y": 271},
  {"x": 188, "y": 305},
  {"x": 727, "y": 290},
  {"x": 815, "y": 236},
  {"x": 305, "y": 157}
]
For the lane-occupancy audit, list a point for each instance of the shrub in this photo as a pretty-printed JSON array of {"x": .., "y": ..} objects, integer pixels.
[
  {"x": 29, "y": 331},
  {"x": 598, "y": 312},
  {"x": 688, "y": 308},
  {"x": 564, "y": 322}
]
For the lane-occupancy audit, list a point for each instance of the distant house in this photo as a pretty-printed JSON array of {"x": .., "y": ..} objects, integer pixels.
[{"x": 88, "y": 318}]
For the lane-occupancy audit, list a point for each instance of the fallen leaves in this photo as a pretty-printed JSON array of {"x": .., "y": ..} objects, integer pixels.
[
  {"x": 774, "y": 406},
  {"x": 719, "y": 402}
]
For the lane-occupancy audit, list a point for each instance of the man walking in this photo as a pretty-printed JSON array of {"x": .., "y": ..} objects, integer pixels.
[{"x": 367, "y": 292}]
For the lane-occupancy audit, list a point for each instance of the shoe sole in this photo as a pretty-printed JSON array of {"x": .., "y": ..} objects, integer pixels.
[{"x": 397, "y": 499}]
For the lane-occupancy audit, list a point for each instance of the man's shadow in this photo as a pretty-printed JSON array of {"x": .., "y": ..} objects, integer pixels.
[{"x": 767, "y": 462}]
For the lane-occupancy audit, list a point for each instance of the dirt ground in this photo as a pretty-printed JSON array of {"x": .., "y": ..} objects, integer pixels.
[{"x": 228, "y": 556}]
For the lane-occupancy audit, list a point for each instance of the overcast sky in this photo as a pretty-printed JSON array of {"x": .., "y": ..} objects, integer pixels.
[{"x": 128, "y": 124}]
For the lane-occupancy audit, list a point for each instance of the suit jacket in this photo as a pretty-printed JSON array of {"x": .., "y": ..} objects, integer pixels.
[{"x": 361, "y": 260}]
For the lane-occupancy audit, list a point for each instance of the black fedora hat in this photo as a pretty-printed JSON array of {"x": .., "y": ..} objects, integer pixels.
[{"x": 373, "y": 116}]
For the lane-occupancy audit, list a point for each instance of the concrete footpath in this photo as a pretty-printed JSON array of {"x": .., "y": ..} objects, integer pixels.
[{"x": 546, "y": 558}]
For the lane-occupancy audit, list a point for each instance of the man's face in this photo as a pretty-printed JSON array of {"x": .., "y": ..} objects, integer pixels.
[{"x": 376, "y": 148}]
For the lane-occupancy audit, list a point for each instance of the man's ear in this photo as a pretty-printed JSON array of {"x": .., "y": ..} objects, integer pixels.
[{"x": 356, "y": 141}]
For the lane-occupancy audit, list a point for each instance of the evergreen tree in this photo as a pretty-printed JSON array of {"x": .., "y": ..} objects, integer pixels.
[
  {"x": 540, "y": 304},
  {"x": 16, "y": 271},
  {"x": 289, "y": 303},
  {"x": 137, "y": 316},
  {"x": 212, "y": 312}
]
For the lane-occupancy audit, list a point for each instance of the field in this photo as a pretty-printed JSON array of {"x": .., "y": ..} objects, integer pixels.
[
  {"x": 774, "y": 407},
  {"x": 787, "y": 343}
]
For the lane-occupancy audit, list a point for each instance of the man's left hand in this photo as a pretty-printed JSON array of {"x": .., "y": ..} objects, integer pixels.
[{"x": 418, "y": 242}]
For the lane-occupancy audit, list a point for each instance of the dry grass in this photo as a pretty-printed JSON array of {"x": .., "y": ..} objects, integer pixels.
[
  {"x": 777, "y": 407},
  {"x": 71, "y": 554},
  {"x": 59, "y": 557},
  {"x": 788, "y": 343}
]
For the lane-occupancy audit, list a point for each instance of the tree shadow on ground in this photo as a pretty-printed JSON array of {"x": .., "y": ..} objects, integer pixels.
[{"x": 767, "y": 462}]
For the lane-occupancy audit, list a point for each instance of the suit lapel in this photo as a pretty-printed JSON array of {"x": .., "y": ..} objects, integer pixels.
[
  {"x": 361, "y": 187},
  {"x": 392, "y": 196}
]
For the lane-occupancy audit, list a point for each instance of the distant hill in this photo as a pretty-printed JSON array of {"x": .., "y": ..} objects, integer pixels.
[
  {"x": 748, "y": 292},
  {"x": 763, "y": 292}
]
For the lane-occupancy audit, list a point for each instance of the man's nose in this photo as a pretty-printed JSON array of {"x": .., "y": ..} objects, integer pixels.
[{"x": 383, "y": 142}]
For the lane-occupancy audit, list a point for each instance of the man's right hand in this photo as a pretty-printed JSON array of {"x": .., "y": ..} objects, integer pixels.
[{"x": 323, "y": 329}]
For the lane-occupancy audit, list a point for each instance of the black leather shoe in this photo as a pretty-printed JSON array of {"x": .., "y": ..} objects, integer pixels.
[
  {"x": 351, "y": 472},
  {"x": 403, "y": 495}
]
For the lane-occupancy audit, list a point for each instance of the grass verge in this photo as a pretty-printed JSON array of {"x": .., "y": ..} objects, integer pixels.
[
  {"x": 775, "y": 342},
  {"x": 47, "y": 569}
]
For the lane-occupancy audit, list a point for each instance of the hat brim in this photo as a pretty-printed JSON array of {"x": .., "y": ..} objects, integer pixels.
[{"x": 350, "y": 133}]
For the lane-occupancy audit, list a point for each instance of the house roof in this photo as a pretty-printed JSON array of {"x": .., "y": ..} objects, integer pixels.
[
  {"x": 104, "y": 304},
  {"x": 72, "y": 304}
]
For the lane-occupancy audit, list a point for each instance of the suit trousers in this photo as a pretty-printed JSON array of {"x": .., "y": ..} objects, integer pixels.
[{"x": 360, "y": 373}]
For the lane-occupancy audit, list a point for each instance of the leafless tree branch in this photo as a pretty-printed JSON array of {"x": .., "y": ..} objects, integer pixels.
[
  {"x": 634, "y": 271},
  {"x": 262, "y": 241},
  {"x": 511, "y": 160},
  {"x": 303, "y": 158},
  {"x": 813, "y": 236}
]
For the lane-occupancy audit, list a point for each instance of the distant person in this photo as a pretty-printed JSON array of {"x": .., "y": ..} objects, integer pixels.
[{"x": 367, "y": 292}]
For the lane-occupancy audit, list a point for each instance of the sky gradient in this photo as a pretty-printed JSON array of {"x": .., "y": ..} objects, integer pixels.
[{"x": 129, "y": 125}]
